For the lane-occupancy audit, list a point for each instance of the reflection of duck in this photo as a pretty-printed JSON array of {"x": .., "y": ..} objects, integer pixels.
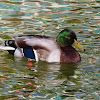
[
  {"x": 68, "y": 69},
  {"x": 46, "y": 48},
  {"x": 65, "y": 69},
  {"x": 54, "y": 76}
]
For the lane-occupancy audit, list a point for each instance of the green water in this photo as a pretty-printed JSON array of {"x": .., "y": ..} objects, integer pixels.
[{"x": 45, "y": 81}]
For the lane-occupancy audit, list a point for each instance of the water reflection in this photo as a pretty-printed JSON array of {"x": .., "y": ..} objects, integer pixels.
[
  {"x": 40, "y": 81},
  {"x": 63, "y": 69},
  {"x": 52, "y": 77}
]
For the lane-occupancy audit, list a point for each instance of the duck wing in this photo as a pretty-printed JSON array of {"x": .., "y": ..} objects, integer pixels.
[{"x": 36, "y": 42}]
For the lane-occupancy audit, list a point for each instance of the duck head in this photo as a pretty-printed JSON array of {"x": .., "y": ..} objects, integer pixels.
[{"x": 66, "y": 38}]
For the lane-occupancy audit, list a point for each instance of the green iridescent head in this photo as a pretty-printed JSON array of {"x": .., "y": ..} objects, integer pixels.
[{"x": 66, "y": 37}]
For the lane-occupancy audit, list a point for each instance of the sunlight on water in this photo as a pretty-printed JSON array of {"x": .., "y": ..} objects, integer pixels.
[{"x": 45, "y": 81}]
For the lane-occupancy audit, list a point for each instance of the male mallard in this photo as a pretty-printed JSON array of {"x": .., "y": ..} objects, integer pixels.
[{"x": 46, "y": 48}]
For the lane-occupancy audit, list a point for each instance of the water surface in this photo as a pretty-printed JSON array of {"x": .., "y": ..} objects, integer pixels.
[{"x": 45, "y": 81}]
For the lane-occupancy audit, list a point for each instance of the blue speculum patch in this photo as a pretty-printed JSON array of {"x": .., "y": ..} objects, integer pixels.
[{"x": 29, "y": 53}]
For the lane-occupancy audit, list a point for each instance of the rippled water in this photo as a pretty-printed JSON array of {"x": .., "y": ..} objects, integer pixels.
[{"x": 46, "y": 81}]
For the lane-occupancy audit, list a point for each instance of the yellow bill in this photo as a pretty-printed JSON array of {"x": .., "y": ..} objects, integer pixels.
[{"x": 78, "y": 46}]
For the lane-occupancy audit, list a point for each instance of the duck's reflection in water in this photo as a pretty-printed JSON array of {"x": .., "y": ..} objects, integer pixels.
[{"x": 53, "y": 74}]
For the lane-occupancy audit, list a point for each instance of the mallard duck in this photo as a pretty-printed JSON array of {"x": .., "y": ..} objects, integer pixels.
[{"x": 46, "y": 48}]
